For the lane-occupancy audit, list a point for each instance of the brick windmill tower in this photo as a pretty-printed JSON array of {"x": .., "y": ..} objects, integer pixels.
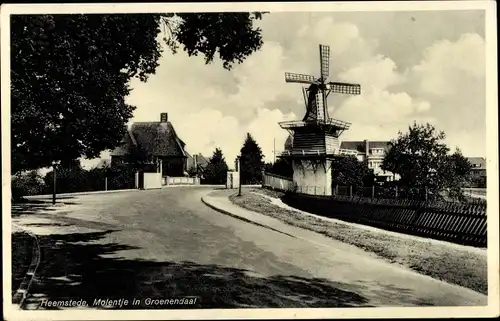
[{"x": 316, "y": 137}]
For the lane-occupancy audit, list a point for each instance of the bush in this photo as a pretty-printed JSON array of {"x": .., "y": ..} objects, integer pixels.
[
  {"x": 71, "y": 180},
  {"x": 26, "y": 183}
]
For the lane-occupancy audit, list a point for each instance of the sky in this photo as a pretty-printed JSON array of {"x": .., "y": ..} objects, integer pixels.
[{"x": 423, "y": 66}]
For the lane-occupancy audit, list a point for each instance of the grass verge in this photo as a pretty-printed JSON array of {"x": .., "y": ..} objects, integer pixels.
[
  {"x": 22, "y": 251},
  {"x": 451, "y": 263}
]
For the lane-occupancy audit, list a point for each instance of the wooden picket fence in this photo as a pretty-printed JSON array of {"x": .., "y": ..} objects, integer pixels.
[{"x": 462, "y": 223}]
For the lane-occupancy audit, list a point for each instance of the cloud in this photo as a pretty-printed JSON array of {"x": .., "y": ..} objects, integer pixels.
[
  {"x": 451, "y": 75},
  {"x": 408, "y": 71},
  {"x": 378, "y": 106},
  {"x": 267, "y": 132},
  {"x": 380, "y": 111},
  {"x": 448, "y": 66},
  {"x": 207, "y": 129},
  {"x": 376, "y": 73}
]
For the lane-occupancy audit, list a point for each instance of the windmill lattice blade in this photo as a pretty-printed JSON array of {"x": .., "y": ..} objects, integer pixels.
[
  {"x": 304, "y": 93},
  {"x": 324, "y": 56},
  {"x": 343, "y": 88},
  {"x": 320, "y": 106},
  {"x": 300, "y": 78}
]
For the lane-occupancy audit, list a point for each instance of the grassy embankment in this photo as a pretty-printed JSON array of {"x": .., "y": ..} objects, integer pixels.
[{"x": 461, "y": 265}]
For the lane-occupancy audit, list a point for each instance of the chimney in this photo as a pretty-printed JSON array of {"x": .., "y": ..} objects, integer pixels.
[
  {"x": 367, "y": 147},
  {"x": 163, "y": 117}
]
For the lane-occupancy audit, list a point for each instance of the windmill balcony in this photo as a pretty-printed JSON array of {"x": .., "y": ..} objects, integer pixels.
[
  {"x": 316, "y": 152},
  {"x": 321, "y": 122}
]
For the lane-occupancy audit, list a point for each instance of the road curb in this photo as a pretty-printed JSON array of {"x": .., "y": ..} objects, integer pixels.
[
  {"x": 22, "y": 292},
  {"x": 83, "y": 193},
  {"x": 218, "y": 209},
  {"x": 126, "y": 190},
  {"x": 199, "y": 185}
]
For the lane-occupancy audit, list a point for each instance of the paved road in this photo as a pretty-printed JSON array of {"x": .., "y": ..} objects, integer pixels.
[{"x": 167, "y": 244}]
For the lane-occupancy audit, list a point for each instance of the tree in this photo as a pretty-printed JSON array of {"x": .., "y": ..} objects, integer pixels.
[
  {"x": 282, "y": 167},
  {"x": 348, "y": 171},
  {"x": 70, "y": 74},
  {"x": 457, "y": 173},
  {"x": 216, "y": 170},
  {"x": 423, "y": 161},
  {"x": 251, "y": 161}
]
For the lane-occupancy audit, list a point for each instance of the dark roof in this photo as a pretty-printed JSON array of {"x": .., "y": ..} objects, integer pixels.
[
  {"x": 477, "y": 162},
  {"x": 361, "y": 145},
  {"x": 378, "y": 144},
  {"x": 201, "y": 161},
  {"x": 353, "y": 145},
  {"x": 155, "y": 138},
  {"x": 125, "y": 143}
]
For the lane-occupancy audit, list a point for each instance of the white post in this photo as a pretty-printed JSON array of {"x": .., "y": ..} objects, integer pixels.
[{"x": 105, "y": 183}]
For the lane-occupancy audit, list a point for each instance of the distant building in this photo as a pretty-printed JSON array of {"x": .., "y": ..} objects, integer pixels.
[
  {"x": 158, "y": 140},
  {"x": 478, "y": 171},
  {"x": 197, "y": 163},
  {"x": 372, "y": 152},
  {"x": 478, "y": 166}
]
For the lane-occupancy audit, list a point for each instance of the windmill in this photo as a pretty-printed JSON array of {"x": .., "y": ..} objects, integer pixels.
[
  {"x": 316, "y": 136},
  {"x": 316, "y": 94}
]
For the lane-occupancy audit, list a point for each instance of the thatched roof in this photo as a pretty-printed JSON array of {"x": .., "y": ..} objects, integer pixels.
[{"x": 155, "y": 138}]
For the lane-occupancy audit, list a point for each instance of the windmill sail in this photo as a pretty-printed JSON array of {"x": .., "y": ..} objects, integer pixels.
[
  {"x": 324, "y": 58},
  {"x": 316, "y": 94},
  {"x": 300, "y": 78},
  {"x": 304, "y": 93},
  {"x": 345, "y": 88},
  {"x": 320, "y": 106}
]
